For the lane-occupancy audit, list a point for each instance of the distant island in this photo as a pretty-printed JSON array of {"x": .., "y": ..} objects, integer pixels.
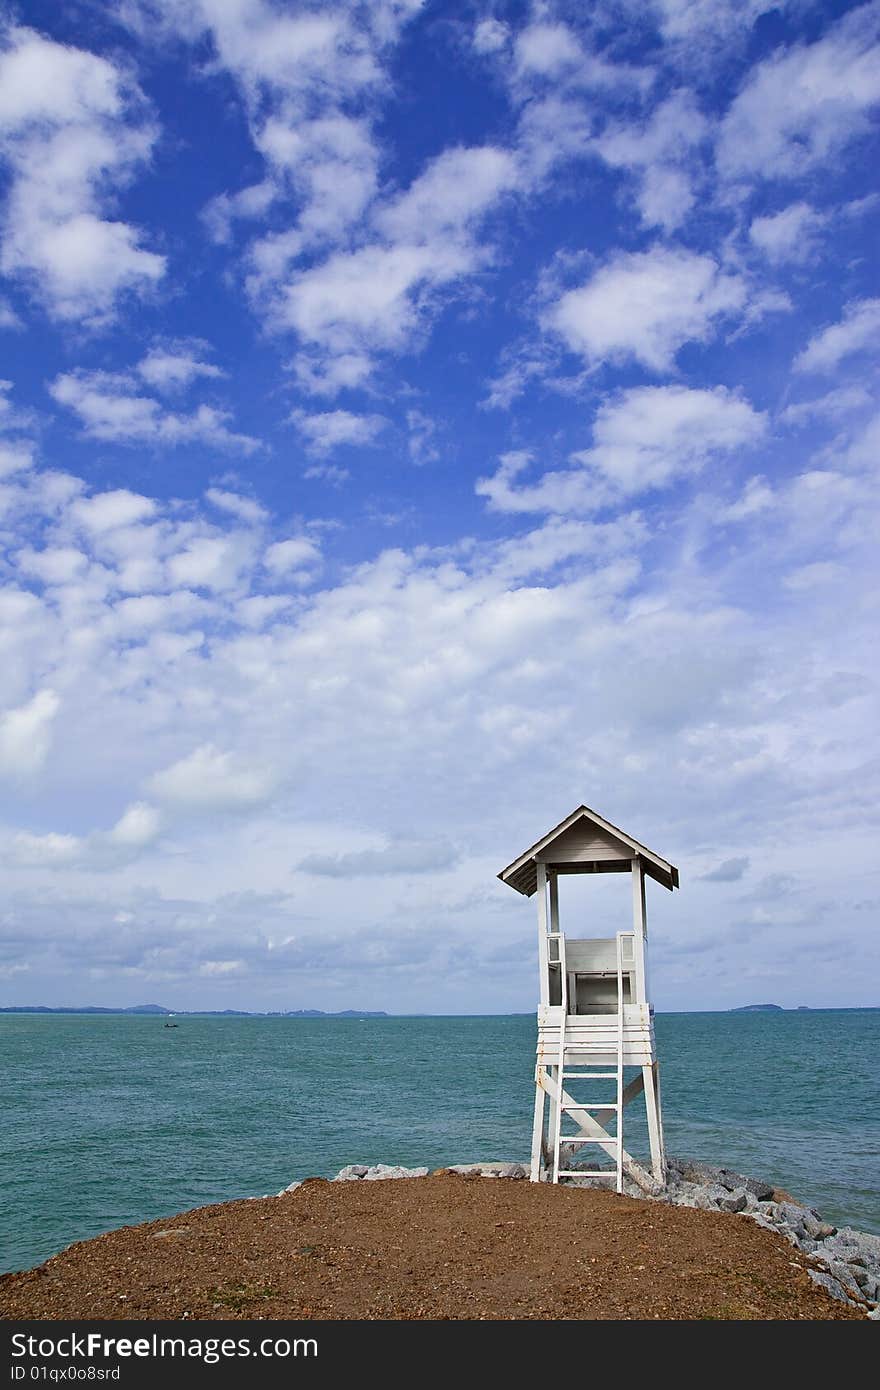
[
  {"x": 158, "y": 1010},
  {"x": 758, "y": 1009}
]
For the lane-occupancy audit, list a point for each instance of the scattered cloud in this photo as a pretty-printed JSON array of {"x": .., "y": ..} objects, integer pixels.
[
  {"x": 72, "y": 132},
  {"x": 329, "y": 429},
  {"x": 645, "y": 306},
  {"x": 112, "y": 408},
  {"x": 26, "y": 734},
  {"x": 209, "y": 779},
  {"x": 791, "y": 235},
  {"x": 728, "y": 871},
  {"x": 857, "y": 331},
  {"x": 646, "y": 438},
  {"x": 659, "y": 152},
  {"x": 422, "y": 437},
  {"x": 174, "y": 366},
  {"x": 802, "y": 105},
  {"x": 401, "y": 857}
]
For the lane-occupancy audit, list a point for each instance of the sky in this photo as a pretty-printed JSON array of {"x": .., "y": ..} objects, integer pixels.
[{"x": 418, "y": 419}]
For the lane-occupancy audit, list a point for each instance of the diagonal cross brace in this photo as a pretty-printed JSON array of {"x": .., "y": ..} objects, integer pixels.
[{"x": 594, "y": 1126}]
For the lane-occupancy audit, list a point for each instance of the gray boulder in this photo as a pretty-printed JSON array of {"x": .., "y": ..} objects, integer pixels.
[
  {"x": 829, "y": 1284},
  {"x": 757, "y": 1188},
  {"x": 735, "y": 1201}
]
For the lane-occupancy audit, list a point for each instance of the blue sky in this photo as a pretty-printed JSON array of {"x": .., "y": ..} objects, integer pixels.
[{"x": 419, "y": 419}]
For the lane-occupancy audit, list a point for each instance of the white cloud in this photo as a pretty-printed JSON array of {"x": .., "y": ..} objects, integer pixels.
[
  {"x": 26, "y": 734},
  {"x": 757, "y": 497},
  {"x": 136, "y": 830},
  {"x": 789, "y": 235},
  {"x": 111, "y": 408},
  {"x": 548, "y": 53},
  {"x": 454, "y": 191},
  {"x": 298, "y": 73},
  {"x": 108, "y": 510},
  {"x": 646, "y": 438},
  {"x": 138, "y": 825},
  {"x": 803, "y": 104},
  {"x": 45, "y": 851},
  {"x": 14, "y": 458},
  {"x": 71, "y": 133},
  {"x": 297, "y": 553},
  {"x": 816, "y": 575},
  {"x": 378, "y": 297},
  {"x": 843, "y": 401},
  {"x": 652, "y": 435},
  {"x": 221, "y": 213},
  {"x": 857, "y": 331},
  {"x": 490, "y": 35},
  {"x": 695, "y": 21},
  {"x": 174, "y": 366},
  {"x": 209, "y": 779},
  {"x": 245, "y": 508},
  {"x": 646, "y": 305},
  {"x": 8, "y": 317},
  {"x": 682, "y": 655},
  {"x": 659, "y": 151},
  {"x": 422, "y": 437},
  {"x": 401, "y": 857},
  {"x": 546, "y": 49},
  {"x": 329, "y": 429},
  {"x": 211, "y": 562}
]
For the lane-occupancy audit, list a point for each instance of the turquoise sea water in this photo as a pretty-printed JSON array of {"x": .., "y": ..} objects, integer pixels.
[{"x": 114, "y": 1119}]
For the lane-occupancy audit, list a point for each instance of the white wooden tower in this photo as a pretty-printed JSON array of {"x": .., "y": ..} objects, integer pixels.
[{"x": 594, "y": 1019}]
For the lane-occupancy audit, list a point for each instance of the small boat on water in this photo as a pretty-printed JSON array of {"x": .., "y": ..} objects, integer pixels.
[{"x": 169, "y": 1023}]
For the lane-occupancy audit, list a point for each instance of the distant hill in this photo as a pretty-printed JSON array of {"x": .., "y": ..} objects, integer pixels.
[
  {"x": 758, "y": 1009},
  {"x": 161, "y": 1011}
]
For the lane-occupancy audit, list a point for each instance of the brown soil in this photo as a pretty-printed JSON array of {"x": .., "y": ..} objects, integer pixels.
[{"x": 438, "y": 1247}]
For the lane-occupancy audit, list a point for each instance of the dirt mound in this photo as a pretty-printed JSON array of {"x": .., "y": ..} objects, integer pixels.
[{"x": 444, "y": 1246}]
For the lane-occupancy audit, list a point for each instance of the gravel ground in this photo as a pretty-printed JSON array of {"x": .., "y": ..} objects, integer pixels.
[{"x": 443, "y": 1246}]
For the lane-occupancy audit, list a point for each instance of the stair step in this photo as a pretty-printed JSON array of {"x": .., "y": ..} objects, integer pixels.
[
  {"x": 587, "y": 1139},
  {"x": 589, "y": 1076},
  {"x": 587, "y": 1173},
  {"x": 592, "y": 1105}
]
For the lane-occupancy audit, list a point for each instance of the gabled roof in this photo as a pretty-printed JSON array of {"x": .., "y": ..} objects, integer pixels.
[{"x": 522, "y": 874}]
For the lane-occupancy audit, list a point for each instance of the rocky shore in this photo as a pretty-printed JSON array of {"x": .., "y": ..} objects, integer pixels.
[{"x": 845, "y": 1262}]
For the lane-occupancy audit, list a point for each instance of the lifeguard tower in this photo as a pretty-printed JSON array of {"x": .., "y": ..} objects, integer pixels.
[{"x": 594, "y": 1019}]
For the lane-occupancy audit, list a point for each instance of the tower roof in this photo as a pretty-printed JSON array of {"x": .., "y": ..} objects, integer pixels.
[{"x": 604, "y": 849}]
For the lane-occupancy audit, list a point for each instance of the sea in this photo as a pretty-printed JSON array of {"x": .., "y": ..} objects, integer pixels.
[{"x": 113, "y": 1119}]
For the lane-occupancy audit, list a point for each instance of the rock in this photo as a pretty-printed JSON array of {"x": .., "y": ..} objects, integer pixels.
[
  {"x": 844, "y": 1275},
  {"x": 830, "y": 1285},
  {"x": 707, "y": 1174},
  {"x": 352, "y": 1173},
  {"x": 381, "y": 1171},
  {"x": 758, "y": 1189},
  {"x": 737, "y": 1201},
  {"x": 817, "y": 1228},
  {"x": 769, "y": 1210},
  {"x": 793, "y": 1214},
  {"x": 866, "y": 1242},
  {"x": 513, "y": 1170}
]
